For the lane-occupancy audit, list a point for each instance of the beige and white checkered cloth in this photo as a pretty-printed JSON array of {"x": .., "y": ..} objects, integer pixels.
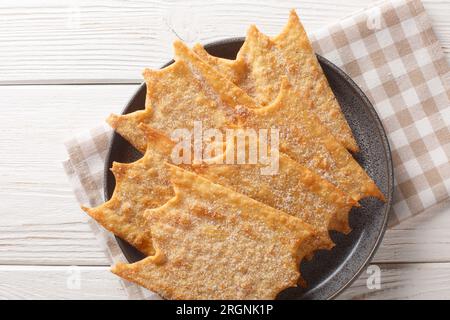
[{"x": 393, "y": 54}]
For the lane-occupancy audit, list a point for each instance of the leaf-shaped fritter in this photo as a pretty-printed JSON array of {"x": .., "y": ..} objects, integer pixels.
[
  {"x": 140, "y": 185},
  {"x": 303, "y": 137},
  {"x": 213, "y": 243},
  {"x": 190, "y": 90},
  {"x": 295, "y": 190},
  {"x": 175, "y": 99},
  {"x": 262, "y": 62}
]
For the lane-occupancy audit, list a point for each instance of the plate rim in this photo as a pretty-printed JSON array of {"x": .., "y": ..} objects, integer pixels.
[
  {"x": 358, "y": 91},
  {"x": 390, "y": 170}
]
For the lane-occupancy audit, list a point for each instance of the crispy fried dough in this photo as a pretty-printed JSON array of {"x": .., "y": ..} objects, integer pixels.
[
  {"x": 175, "y": 99},
  {"x": 140, "y": 185},
  {"x": 295, "y": 190},
  {"x": 303, "y": 137},
  {"x": 213, "y": 243},
  {"x": 263, "y": 61},
  {"x": 191, "y": 90}
]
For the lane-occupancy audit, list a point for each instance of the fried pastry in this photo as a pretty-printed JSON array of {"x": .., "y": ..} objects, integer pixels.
[
  {"x": 175, "y": 99},
  {"x": 295, "y": 190},
  {"x": 303, "y": 137},
  {"x": 140, "y": 185},
  {"x": 190, "y": 90},
  {"x": 213, "y": 243},
  {"x": 218, "y": 230},
  {"x": 262, "y": 62}
]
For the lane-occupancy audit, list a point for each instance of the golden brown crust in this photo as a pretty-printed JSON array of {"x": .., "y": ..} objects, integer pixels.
[
  {"x": 295, "y": 190},
  {"x": 126, "y": 126},
  {"x": 303, "y": 136},
  {"x": 139, "y": 186},
  {"x": 227, "y": 92},
  {"x": 190, "y": 90},
  {"x": 224, "y": 66},
  {"x": 175, "y": 99},
  {"x": 307, "y": 141},
  {"x": 226, "y": 231},
  {"x": 263, "y": 61},
  {"x": 143, "y": 184},
  {"x": 303, "y": 66},
  {"x": 214, "y": 243}
]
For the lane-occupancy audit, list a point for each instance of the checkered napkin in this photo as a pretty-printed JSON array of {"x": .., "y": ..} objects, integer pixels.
[{"x": 392, "y": 53}]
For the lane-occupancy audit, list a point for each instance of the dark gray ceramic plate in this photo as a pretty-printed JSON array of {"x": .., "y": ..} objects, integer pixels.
[{"x": 330, "y": 271}]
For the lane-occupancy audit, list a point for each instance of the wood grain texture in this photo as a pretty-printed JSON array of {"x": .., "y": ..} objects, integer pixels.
[
  {"x": 424, "y": 238},
  {"x": 397, "y": 281},
  {"x": 61, "y": 41},
  {"x": 404, "y": 281},
  {"x": 41, "y": 223},
  {"x": 70, "y": 282}
]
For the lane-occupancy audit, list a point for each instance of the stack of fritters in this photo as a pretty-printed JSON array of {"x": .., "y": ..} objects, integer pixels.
[{"x": 220, "y": 231}]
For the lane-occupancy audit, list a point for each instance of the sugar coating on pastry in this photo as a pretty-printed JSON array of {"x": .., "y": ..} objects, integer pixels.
[
  {"x": 213, "y": 243},
  {"x": 262, "y": 62}
]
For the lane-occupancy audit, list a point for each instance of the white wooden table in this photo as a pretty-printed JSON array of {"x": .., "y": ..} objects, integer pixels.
[{"x": 65, "y": 65}]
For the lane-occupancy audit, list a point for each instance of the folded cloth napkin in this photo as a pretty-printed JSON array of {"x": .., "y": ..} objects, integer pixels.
[{"x": 393, "y": 54}]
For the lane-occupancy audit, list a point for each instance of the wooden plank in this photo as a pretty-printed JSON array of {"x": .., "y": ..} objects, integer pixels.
[
  {"x": 69, "y": 282},
  {"x": 403, "y": 281},
  {"x": 98, "y": 41},
  {"x": 41, "y": 222},
  {"x": 424, "y": 238},
  {"x": 398, "y": 281}
]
